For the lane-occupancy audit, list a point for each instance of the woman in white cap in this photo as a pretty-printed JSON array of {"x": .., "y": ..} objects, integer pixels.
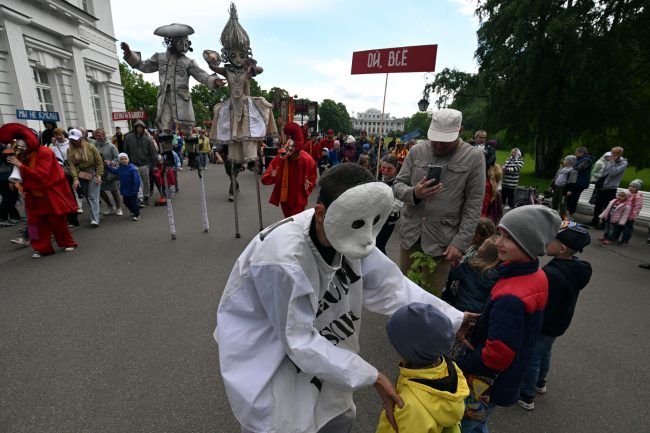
[{"x": 86, "y": 167}]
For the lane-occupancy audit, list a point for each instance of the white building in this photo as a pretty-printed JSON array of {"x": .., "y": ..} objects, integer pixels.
[
  {"x": 370, "y": 120},
  {"x": 60, "y": 55}
]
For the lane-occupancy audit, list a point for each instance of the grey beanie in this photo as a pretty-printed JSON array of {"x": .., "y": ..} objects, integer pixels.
[
  {"x": 420, "y": 333},
  {"x": 532, "y": 228},
  {"x": 636, "y": 183}
]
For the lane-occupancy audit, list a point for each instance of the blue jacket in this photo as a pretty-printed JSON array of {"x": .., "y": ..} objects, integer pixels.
[
  {"x": 508, "y": 329},
  {"x": 583, "y": 165},
  {"x": 474, "y": 286},
  {"x": 334, "y": 158},
  {"x": 129, "y": 178}
]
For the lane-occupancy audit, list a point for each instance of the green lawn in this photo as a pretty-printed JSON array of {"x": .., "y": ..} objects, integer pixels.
[{"x": 528, "y": 177}]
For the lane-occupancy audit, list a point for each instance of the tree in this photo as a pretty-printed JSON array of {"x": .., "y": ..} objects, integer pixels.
[
  {"x": 420, "y": 120},
  {"x": 139, "y": 95},
  {"x": 204, "y": 99},
  {"x": 560, "y": 71},
  {"x": 334, "y": 115}
]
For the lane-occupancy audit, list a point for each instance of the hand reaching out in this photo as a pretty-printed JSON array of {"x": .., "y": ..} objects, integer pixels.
[{"x": 389, "y": 396}]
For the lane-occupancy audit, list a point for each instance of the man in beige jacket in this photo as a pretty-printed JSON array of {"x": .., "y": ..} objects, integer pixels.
[{"x": 440, "y": 219}]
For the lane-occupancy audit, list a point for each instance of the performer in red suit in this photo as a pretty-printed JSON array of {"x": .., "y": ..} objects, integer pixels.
[
  {"x": 47, "y": 194},
  {"x": 327, "y": 141},
  {"x": 293, "y": 172}
]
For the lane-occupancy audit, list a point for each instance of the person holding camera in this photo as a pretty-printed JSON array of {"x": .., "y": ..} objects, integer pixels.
[
  {"x": 87, "y": 168},
  {"x": 442, "y": 183}
]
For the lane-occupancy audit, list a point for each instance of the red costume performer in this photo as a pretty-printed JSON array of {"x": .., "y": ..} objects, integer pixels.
[
  {"x": 327, "y": 141},
  {"x": 293, "y": 171},
  {"x": 47, "y": 194}
]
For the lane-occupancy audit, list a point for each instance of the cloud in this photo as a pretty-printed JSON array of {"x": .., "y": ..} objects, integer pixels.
[{"x": 466, "y": 7}]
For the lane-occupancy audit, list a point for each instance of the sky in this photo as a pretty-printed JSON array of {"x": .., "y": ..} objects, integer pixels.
[{"x": 305, "y": 47}]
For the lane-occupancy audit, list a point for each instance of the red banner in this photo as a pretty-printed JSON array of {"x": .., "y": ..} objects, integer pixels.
[
  {"x": 129, "y": 115},
  {"x": 419, "y": 58}
]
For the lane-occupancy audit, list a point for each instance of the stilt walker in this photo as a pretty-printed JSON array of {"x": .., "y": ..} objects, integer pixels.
[
  {"x": 241, "y": 121},
  {"x": 174, "y": 102},
  {"x": 257, "y": 190}
]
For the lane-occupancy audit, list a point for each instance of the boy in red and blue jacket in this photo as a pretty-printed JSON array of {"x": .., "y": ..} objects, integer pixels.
[{"x": 511, "y": 320}]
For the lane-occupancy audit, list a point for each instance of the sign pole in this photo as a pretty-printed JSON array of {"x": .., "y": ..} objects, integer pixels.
[{"x": 381, "y": 126}]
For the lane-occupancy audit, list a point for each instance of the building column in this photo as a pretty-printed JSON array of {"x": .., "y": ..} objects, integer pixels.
[
  {"x": 20, "y": 73},
  {"x": 80, "y": 87}
]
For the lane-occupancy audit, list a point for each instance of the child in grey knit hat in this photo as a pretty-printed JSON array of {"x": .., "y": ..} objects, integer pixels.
[
  {"x": 431, "y": 385},
  {"x": 505, "y": 335}
]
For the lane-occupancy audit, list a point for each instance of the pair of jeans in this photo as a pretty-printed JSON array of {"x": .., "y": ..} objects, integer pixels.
[
  {"x": 473, "y": 426},
  {"x": 508, "y": 196},
  {"x": 539, "y": 365},
  {"x": 612, "y": 231},
  {"x": 203, "y": 159},
  {"x": 92, "y": 197},
  {"x": 131, "y": 203},
  {"x": 627, "y": 231}
]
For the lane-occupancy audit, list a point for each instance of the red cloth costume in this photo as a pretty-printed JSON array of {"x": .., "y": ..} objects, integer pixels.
[
  {"x": 327, "y": 141},
  {"x": 47, "y": 194},
  {"x": 294, "y": 176},
  {"x": 314, "y": 149}
]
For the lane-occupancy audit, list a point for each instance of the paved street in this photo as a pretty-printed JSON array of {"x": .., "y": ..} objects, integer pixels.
[{"x": 117, "y": 335}]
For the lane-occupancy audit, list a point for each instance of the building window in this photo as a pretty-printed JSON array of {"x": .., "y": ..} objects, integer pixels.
[
  {"x": 44, "y": 90},
  {"x": 96, "y": 99},
  {"x": 84, "y": 5}
]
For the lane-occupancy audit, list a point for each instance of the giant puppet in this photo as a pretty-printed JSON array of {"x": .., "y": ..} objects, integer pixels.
[
  {"x": 242, "y": 121},
  {"x": 175, "y": 109}
]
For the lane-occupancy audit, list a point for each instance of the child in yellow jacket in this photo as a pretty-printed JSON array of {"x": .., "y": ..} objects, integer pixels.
[{"x": 431, "y": 385}]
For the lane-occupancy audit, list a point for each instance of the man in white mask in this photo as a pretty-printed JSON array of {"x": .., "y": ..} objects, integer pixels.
[{"x": 289, "y": 318}]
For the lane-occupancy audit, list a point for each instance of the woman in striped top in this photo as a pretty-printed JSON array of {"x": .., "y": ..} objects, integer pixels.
[{"x": 511, "y": 170}]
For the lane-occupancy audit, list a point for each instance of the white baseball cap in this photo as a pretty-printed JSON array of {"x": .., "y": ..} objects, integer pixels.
[
  {"x": 445, "y": 125},
  {"x": 74, "y": 134}
]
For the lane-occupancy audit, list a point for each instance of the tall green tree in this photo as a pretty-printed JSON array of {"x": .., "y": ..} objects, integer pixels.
[
  {"x": 334, "y": 115},
  {"x": 204, "y": 99},
  {"x": 562, "y": 71},
  {"x": 139, "y": 94},
  {"x": 420, "y": 120}
]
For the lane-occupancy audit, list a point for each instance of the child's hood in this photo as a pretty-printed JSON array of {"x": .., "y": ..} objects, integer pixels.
[
  {"x": 576, "y": 271},
  {"x": 445, "y": 406}
]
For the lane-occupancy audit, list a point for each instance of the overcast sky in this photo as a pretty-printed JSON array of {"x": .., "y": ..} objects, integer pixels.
[{"x": 306, "y": 46}]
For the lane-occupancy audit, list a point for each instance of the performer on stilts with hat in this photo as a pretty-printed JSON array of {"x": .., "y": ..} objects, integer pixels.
[
  {"x": 241, "y": 122},
  {"x": 174, "y": 101}
]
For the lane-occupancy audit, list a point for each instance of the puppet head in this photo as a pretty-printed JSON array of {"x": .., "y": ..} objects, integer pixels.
[
  {"x": 26, "y": 140},
  {"x": 235, "y": 41},
  {"x": 295, "y": 142},
  {"x": 357, "y": 208},
  {"x": 176, "y": 37}
]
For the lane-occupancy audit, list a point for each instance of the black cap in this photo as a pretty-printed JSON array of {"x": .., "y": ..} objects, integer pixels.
[{"x": 573, "y": 235}]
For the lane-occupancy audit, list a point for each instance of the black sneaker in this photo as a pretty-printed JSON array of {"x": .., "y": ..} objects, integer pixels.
[{"x": 527, "y": 403}]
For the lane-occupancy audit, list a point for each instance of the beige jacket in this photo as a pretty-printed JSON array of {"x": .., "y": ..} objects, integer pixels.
[{"x": 451, "y": 216}]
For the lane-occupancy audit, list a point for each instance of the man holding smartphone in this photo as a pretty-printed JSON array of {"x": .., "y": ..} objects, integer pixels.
[{"x": 440, "y": 213}]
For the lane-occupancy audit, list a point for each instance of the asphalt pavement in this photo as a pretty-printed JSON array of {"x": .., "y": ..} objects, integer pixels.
[{"x": 117, "y": 335}]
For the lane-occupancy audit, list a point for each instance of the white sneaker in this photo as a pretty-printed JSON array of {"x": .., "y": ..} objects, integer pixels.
[
  {"x": 94, "y": 223},
  {"x": 36, "y": 256},
  {"x": 20, "y": 241},
  {"x": 80, "y": 210},
  {"x": 136, "y": 218},
  {"x": 110, "y": 211},
  {"x": 119, "y": 212},
  {"x": 69, "y": 249}
]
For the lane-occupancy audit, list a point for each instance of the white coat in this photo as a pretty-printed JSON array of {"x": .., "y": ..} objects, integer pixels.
[{"x": 288, "y": 328}]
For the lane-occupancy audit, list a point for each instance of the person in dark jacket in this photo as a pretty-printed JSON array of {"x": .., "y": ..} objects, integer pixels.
[
  {"x": 583, "y": 165},
  {"x": 510, "y": 323},
  {"x": 142, "y": 153},
  {"x": 129, "y": 183},
  {"x": 476, "y": 277},
  {"x": 567, "y": 276},
  {"x": 48, "y": 134}
]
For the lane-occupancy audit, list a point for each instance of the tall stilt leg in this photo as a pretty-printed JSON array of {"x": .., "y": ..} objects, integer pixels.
[
  {"x": 257, "y": 189},
  {"x": 170, "y": 209},
  {"x": 233, "y": 179},
  {"x": 204, "y": 205}
]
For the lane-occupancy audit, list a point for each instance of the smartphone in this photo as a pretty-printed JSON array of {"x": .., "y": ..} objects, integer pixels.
[{"x": 434, "y": 172}]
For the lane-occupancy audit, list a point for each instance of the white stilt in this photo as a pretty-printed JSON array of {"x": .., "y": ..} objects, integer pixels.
[
  {"x": 257, "y": 189},
  {"x": 204, "y": 205}
]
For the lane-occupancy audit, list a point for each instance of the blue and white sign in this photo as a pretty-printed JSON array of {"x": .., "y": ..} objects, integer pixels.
[{"x": 37, "y": 115}]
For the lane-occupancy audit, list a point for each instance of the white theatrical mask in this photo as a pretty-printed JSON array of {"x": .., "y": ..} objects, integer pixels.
[{"x": 354, "y": 219}]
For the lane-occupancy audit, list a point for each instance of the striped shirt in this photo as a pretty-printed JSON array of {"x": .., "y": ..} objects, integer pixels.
[{"x": 511, "y": 170}]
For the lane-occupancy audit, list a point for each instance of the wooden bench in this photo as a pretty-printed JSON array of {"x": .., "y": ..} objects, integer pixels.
[{"x": 584, "y": 207}]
